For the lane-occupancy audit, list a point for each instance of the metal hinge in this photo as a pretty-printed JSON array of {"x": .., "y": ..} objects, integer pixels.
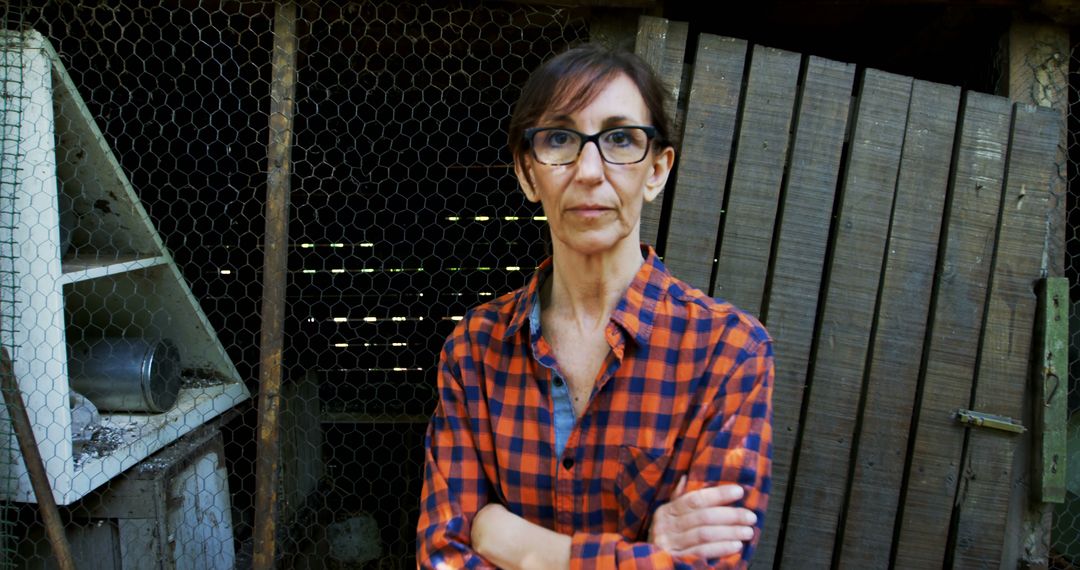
[{"x": 980, "y": 419}]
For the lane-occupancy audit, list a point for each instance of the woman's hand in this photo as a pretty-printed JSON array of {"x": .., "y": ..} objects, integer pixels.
[{"x": 701, "y": 523}]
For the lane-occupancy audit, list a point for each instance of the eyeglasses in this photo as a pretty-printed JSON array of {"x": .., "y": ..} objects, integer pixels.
[{"x": 557, "y": 146}]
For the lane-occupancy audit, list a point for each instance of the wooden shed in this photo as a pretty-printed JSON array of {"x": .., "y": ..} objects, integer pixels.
[{"x": 884, "y": 184}]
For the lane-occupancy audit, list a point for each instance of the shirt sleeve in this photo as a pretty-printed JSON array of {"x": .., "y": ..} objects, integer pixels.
[
  {"x": 735, "y": 447},
  {"x": 455, "y": 483}
]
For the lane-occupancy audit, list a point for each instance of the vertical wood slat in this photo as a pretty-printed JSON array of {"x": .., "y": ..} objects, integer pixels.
[
  {"x": 971, "y": 217},
  {"x": 836, "y": 382},
  {"x": 1006, "y": 351},
  {"x": 901, "y": 326},
  {"x": 755, "y": 179},
  {"x": 704, "y": 158},
  {"x": 661, "y": 43},
  {"x": 271, "y": 339},
  {"x": 1050, "y": 369},
  {"x": 814, "y": 169}
]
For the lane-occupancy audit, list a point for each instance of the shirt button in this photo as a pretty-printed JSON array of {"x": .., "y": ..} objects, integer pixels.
[
  {"x": 568, "y": 463},
  {"x": 558, "y": 382}
]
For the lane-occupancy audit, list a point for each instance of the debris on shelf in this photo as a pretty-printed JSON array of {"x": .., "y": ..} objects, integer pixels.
[
  {"x": 200, "y": 378},
  {"x": 105, "y": 438}
]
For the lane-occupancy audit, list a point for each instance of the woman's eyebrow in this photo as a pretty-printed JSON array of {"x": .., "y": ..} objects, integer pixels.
[
  {"x": 560, "y": 119},
  {"x": 608, "y": 122},
  {"x": 618, "y": 120}
]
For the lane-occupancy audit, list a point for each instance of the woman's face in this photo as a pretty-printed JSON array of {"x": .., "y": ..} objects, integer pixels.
[{"x": 594, "y": 207}]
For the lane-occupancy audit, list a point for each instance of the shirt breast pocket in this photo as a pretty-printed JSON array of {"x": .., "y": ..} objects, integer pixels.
[{"x": 637, "y": 487}]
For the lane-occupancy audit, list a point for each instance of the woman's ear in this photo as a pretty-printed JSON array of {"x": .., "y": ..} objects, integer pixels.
[
  {"x": 524, "y": 177},
  {"x": 660, "y": 169}
]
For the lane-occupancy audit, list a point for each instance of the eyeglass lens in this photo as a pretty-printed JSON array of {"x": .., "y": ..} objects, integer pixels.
[{"x": 621, "y": 145}]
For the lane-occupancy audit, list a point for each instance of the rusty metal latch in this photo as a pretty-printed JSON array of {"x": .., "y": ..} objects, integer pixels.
[{"x": 980, "y": 419}]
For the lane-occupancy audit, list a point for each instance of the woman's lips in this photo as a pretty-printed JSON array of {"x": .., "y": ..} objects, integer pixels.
[{"x": 589, "y": 210}]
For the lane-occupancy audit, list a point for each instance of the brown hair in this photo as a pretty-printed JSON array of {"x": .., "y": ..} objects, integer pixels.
[{"x": 570, "y": 81}]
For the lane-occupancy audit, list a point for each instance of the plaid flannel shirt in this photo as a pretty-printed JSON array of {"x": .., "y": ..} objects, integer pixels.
[{"x": 685, "y": 390}]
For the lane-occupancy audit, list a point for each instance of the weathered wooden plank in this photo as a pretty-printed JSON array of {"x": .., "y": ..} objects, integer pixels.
[
  {"x": 755, "y": 179},
  {"x": 1005, "y": 355},
  {"x": 1051, "y": 391},
  {"x": 901, "y": 326},
  {"x": 971, "y": 218},
  {"x": 706, "y": 152},
  {"x": 662, "y": 44},
  {"x": 1038, "y": 74},
  {"x": 847, "y": 320},
  {"x": 813, "y": 172}
]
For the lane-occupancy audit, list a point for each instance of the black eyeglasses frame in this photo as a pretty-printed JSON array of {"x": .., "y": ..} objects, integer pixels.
[{"x": 650, "y": 134}]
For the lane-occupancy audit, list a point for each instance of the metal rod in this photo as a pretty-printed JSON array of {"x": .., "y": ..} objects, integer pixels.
[
  {"x": 279, "y": 171},
  {"x": 39, "y": 479}
]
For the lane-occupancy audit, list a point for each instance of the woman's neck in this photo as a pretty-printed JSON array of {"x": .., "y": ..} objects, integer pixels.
[{"x": 586, "y": 288}]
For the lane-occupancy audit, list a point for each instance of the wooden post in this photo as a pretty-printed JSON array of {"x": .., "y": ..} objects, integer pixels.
[
  {"x": 1038, "y": 74},
  {"x": 279, "y": 171},
  {"x": 39, "y": 479}
]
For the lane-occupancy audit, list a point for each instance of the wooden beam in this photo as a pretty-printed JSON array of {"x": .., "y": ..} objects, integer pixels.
[
  {"x": 892, "y": 381},
  {"x": 994, "y": 461},
  {"x": 704, "y": 156},
  {"x": 835, "y": 387},
  {"x": 662, "y": 44},
  {"x": 279, "y": 174},
  {"x": 802, "y": 241},
  {"x": 1038, "y": 74},
  {"x": 1037, "y": 53}
]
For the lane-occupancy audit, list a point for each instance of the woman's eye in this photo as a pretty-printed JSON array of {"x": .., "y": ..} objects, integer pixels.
[
  {"x": 557, "y": 138},
  {"x": 618, "y": 138}
]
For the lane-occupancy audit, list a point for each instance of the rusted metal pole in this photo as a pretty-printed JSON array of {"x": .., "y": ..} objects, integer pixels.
[
  {"x": 279, "y": 172},
  {"x": 39, "y": 479}
]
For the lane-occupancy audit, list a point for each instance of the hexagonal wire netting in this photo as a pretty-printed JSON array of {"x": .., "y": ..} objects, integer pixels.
[{"x": 132, "y": 263}]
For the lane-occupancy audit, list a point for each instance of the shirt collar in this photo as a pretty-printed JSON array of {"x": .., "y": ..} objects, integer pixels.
[{"x": 634, "y": 313}]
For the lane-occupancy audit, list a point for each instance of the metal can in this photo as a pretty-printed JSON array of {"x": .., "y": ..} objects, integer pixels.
[{"x": 126, "y": 374}]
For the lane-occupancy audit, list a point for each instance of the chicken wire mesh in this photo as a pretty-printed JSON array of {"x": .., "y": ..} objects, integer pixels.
[{"x": 134, "y": 162}]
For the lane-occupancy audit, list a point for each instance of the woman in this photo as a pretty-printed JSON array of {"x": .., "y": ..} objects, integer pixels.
[{"x": 606, "y": 414}]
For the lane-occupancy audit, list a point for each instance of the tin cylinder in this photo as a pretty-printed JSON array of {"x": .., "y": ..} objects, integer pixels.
[{"x": 127, "y": 374}]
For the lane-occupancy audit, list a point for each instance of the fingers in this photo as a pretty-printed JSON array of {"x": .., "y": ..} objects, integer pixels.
[
  {"x": 706, "y": 497},
  {"x": 709, "y": 541},
  {"x": 713, "y": 549},
  {"x": 717, "y": 516},
  {"x": 703, "y": 522}
]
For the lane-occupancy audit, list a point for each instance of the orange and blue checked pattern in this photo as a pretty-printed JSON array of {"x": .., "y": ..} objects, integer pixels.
[{"x": 685, "y": 390}]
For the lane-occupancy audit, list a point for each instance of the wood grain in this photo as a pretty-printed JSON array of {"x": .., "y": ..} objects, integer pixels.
[
  {"x": 703, "y": 164},
  {"x": 1006, "y": 351},
  {"x": 893, "y": 374},
  {"x": 847, "y": 320},
  {"x": 969, "y": 226},
  {"x": 661, "y": 43},
  {"x": 756, "y": 177},
  {"x": 803, "y": 234}
]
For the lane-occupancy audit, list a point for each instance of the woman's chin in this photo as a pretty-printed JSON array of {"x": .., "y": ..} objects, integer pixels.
[{"x": 595, "y": 243}]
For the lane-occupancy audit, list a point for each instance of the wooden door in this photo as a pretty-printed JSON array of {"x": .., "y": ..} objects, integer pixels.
[{"x": 889, "y": 232}]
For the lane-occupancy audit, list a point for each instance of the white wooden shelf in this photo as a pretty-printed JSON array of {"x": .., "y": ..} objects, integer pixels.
[
  {"x": 150, "y": 432},
  {"x": 85, "y": 268},
  {"x": 117, "y": 279}
]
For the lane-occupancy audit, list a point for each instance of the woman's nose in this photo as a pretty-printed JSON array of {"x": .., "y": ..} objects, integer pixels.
[{"x": 590, "y": 165}]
